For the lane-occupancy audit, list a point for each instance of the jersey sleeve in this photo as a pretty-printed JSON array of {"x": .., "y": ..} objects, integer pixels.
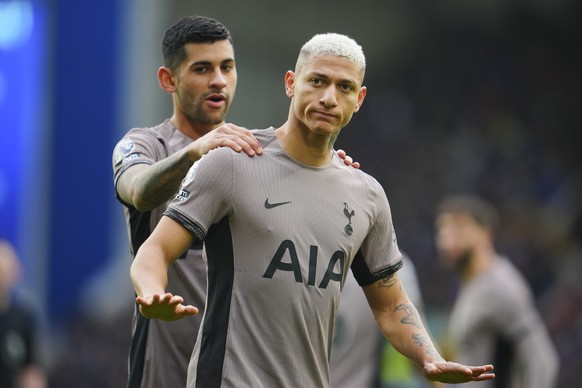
[
  {"x": 205, "y": 193},
  {"x": 379, "y": 255},
  {"x": 140, "y": 145}
]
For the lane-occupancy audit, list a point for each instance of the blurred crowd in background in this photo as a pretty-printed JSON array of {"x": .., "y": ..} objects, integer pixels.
[
  {"x": 495, "y": 113},
  {"x": 488, "y": 108}
]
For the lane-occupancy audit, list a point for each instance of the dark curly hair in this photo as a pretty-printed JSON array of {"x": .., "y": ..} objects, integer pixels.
[
  {"x": 190, "y": 29},
  {"x": 483, "y": 212}
]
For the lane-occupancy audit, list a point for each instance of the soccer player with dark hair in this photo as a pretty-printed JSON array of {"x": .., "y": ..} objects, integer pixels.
[
  {"x": 199, "y": 72},
  {"x": 494, "y": 317}
]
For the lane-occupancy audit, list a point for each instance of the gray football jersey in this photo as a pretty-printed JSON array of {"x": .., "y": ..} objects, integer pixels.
[
  {"x": 279, "y": 240},
  {"x": 158, "y": 353},
  {"x": 494, "y": 320}
]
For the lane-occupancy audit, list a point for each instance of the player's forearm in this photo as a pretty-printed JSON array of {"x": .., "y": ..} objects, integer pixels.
[
  {"x": 404, "y": 329},
  {"x": 159, "y": 183},
  {"x": 148, "y": 272}
]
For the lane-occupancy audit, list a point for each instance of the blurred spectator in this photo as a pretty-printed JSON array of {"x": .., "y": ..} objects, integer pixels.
[
  {"x": 494, "y": 317},
  {"x": 487, "y": 103},
  {"x": 19, "y": 367}
]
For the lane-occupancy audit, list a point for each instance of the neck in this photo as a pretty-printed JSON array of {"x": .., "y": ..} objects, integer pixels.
[
  {"x": 305, "y": 146},
  {"x": 192, "y": 129},
  {"x": 478, "y": 262}
]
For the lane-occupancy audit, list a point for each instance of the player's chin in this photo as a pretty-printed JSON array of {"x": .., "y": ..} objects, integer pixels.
[
  {"x": 325, "y": 129},
  {"x": 210, "y": 116},
  {"x": 216, "y": 118}
]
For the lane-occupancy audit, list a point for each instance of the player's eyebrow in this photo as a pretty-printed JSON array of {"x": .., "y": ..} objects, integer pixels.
[
  {"x": 209, "y": 63},
  {"x": 327, "y": 77}
]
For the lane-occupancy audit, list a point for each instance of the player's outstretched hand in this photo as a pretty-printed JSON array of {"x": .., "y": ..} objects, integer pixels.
[
  {"x": 166, "y": 307},
  {"x": 454, "y": 373},
  {"x": 227, "y": 135},
  {"x": 348, "y": 161}
]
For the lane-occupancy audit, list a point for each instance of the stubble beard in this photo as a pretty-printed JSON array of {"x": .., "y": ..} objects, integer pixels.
[
  {"x": 200, "y": 115},
  {"x": 463, "y": 261}
]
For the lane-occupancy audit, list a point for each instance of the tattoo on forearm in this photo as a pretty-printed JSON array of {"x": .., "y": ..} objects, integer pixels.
[
  {"x": 411, "y": 316},
  {"x": 164, "y": 184},
  {"x": 387, "y": 282},
  {"x": 423, "y": 341}
]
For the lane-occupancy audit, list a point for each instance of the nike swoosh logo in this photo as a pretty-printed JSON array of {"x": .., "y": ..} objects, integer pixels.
[{"x": 272, "y": 205}]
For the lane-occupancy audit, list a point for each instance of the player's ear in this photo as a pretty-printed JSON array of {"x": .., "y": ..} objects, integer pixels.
[
  {"x": 361, "y": 96},
  {"x": 289, "y": 83},
  {"x": 166, "y": 79}
]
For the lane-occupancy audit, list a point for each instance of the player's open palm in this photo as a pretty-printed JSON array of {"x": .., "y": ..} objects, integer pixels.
[
  {"x": 455, "y": 373},
  {"x": 166, "y": 307}
]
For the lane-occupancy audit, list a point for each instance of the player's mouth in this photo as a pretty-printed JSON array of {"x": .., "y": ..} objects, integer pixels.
[
  {"x": 216, "y": 100},
  {"x": 324, "y": 115}
]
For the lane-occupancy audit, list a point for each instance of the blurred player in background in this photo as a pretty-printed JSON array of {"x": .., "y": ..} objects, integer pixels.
[
  {"x": 494, "y": 317},
  {"x": 19, "y": 365}
]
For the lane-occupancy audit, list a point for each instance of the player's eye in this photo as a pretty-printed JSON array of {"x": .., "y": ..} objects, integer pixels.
[{"x": 347, "y": 87}]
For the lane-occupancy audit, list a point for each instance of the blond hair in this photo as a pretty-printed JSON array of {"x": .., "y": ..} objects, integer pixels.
[{"x": 332, "y": 44}]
